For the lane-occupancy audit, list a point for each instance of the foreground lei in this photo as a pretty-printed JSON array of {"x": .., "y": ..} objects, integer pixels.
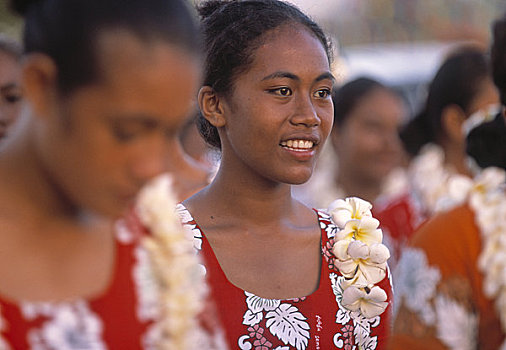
[
  {"x": 360, "y": 256},
  {"x": 175, "y": 265},
  {"x": 487, "y": 198}
]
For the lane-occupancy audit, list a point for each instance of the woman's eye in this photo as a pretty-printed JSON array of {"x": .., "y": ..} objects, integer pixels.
[
  {"x": 283, "y": 91},
  {"x": 12, "y": 98},
  {"x": 123, "y": 135},
  {"x": 322, "y": 93}
]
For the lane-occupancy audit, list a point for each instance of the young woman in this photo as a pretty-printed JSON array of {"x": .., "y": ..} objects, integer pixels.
[
  {"x": 451, "y": 284},
  {"x": 10, "y": 83},
  {"x": 107, "y": 84},
  {"x": 277, "y": 277}
]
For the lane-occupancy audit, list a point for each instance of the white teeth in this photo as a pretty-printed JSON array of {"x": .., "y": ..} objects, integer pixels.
[{"x": 298, "y": 144}]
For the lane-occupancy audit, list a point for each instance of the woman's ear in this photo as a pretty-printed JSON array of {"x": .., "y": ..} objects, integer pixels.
[
  {"x": 40, "y": 83},
  {"x": 452, "y": 119},
  {"x": 211, "y": 106}
]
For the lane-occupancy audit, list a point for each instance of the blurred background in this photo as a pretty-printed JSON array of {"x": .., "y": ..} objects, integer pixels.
[{"x": 399, "y": 42}]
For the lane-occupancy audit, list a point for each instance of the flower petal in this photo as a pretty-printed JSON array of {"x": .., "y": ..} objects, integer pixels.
[
  {"x": 340, "y": 249},
  {"x": 340, "y": 211},
  {"x": 348, "y": 268},
  {"x": 379, "y": 253},
  {"x": 373, "y": 273},
  {"x": 358, "y": 250},
  {"x": 352, "y": 297},
  {"x": 374, "y": 303}
]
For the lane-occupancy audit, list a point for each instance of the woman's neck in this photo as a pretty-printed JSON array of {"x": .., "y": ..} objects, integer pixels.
[
  {"x": 456, "y": 159},
  {"x": 27, "y": 184},
  {"x": 251, "y": 198}
]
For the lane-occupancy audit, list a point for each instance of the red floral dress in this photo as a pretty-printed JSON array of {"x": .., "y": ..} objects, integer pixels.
[
  {"x": 317, "y": 321},
  {"x": 121, "y": 318}
]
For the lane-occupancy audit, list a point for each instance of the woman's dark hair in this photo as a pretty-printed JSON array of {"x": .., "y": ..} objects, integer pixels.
[
  {"x": 487, "y": 143},
  {"x": 498, "y": 57},
  {"x": 67, "y": 30},
  {"x": 457, "y": 82},
  {"x": 233, "y": 30},
  {"x": 348, "y": 96}
]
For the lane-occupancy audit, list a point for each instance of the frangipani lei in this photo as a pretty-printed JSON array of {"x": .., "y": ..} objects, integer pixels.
[
  {"x": 360, "y": 256},
  {"x": 179, "y": 275}
]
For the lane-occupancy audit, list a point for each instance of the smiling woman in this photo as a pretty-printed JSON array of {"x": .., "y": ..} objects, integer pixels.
[{"x": 266, "y": 103}]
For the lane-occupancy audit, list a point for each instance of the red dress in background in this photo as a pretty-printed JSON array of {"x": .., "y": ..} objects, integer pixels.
[
  {"x": 400, "y": 216},
  {"x": 316, "y": 321}
]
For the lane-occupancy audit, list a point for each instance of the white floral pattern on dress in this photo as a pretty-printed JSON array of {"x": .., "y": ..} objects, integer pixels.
[
  {"x": 415, "y": 284},
  {"x": 456, "y": 327},
  {"x": 282, "y": 319},
  {"x": 360, "y": 332},
  {"x": 68, "y": 326},
  {"x": 193, "y": 230}
]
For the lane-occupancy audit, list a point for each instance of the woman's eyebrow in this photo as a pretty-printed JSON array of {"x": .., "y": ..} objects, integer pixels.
[
  {"x": 8, "y": 86},
  {"x": 326, "y": 75},
  {"x": 281, "y": 74}
]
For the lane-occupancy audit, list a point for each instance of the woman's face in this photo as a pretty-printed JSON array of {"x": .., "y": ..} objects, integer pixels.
[
  {"x": 280, "y": 111},
  {"x": 10, "y": 91},
  {"x": 367, "y": 144},
  {"x": 105, "y": 140}
]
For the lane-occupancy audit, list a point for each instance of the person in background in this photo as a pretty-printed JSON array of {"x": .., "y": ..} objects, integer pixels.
[
  {"x": 188, "y": 174},
  {"x": 10, "y": 83},
  {"x": 195, "y": 146},
  {"x": 450, "y": 282},
  {"x": 364, "y": 145},
  {"x": 279, "y": 271},
  {"x": 435, "y": 139},
  {"x": 107, "y": 85}
]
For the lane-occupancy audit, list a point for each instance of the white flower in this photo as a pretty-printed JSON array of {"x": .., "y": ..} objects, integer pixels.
[
  {"x": 490, "y": 179},
  {"x": 458, "y": 187},
  {"x": 362, "y": 264},
  {"x": 360, "y": 256},
  {"x": 370, "y": 301},
  {"x": 351, "y": 208},
  {"x": 365, "y": 230}
]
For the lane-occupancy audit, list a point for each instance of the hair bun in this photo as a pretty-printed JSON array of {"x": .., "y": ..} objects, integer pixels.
[
  {"x": 207, "y": 8},
  {"x": 22, "y": 6}
]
